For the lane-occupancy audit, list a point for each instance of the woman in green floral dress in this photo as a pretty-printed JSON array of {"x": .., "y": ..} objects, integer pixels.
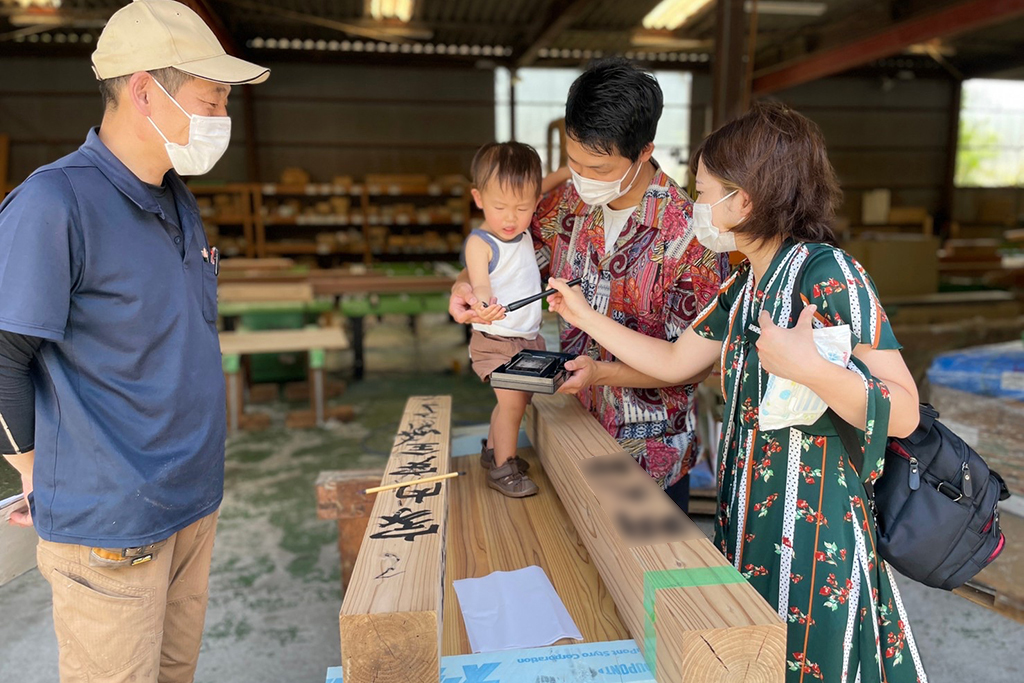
[{"x": 792, "y": 515}]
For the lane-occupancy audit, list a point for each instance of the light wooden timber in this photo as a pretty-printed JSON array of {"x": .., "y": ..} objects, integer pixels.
[
  {"x": 282, "y": 341},
  {"x": 705, "y": 623},
  {"x": 488, "y": 532},
  {"x": 391, "y": 616}
]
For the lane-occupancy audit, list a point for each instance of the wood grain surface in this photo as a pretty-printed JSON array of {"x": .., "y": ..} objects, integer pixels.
[
  {"x": 390, "y": 619},
  {"x": 489, "y": 532}
]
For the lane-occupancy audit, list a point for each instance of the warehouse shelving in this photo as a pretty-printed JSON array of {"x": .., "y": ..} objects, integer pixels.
[
  {"x": 228, "y": 216},
  {"x": 372, "y": 222}
]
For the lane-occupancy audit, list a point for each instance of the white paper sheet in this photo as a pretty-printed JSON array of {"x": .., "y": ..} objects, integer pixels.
[{"x": 513, "y": 610}]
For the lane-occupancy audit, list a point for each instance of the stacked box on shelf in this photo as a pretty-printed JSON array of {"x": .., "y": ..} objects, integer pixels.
[
  {"x": 395, "y": 217},
  {"x": 228, "y": 219},
  {"x": 397, "y": 184},
  {"x": 900, "y": 265},
  {"x": 300, "y": 217},
  {"x": 414, "y": 216}
]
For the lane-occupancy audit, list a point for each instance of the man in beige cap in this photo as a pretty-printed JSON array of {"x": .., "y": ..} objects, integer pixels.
[{"x": 112, "y": 402}]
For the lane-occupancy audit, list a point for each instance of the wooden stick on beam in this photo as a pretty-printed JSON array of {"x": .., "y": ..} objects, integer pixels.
[
  {"x": 950, "y": 21},
  {"x": 693, "y": 615},
  {"x": 391, "y": 617}
]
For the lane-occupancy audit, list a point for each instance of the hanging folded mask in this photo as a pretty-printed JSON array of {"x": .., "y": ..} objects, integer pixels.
[{"x": 788, "y": 404}]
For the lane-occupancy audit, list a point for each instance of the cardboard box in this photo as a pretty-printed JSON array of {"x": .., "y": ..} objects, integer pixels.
[
  {"x": 875, "y": 206},
  {"x": 900, "y": 265}
]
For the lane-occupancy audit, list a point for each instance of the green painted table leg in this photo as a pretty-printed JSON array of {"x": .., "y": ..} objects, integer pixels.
[
  {"x": 231, "y": 364},
  {"x": 316, "y": 365}
]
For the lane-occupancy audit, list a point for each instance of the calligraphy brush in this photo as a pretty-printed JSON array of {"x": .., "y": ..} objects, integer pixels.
[
  {"x": 425, "y": 480},
  {"x": 537, "y": 297}
]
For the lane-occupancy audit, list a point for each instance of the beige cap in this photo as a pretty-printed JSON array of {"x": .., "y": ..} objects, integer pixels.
[{"x": 155, "y": 34}]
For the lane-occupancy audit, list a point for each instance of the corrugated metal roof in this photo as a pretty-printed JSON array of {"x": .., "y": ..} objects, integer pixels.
[{"x": 466, "y": 30}]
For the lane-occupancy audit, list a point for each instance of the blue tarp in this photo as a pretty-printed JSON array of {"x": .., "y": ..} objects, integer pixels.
[{"x": 996, "y": 370}]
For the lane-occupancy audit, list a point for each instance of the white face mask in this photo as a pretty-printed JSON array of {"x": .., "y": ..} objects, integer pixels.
[
  {"x": 602, "y": 192},
  {"x": 208, "y": 138},
  {"x": 707, "y": 234}
]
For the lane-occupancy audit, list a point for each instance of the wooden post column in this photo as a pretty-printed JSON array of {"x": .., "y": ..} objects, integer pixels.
[{"x": 731, "y": 84}]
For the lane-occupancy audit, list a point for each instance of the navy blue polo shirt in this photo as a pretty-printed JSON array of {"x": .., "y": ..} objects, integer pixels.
[{"x": 130, "y": 405}]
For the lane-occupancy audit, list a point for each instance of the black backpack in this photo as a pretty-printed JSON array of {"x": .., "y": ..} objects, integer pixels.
[{"x": 936, "y": 503}]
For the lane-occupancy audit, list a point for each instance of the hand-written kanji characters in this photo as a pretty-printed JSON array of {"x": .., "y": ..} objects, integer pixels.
[
  {"x": 419, "y": 449},
  {"x": 416, "y": 468},
  {"x": 416, "y": 432},
  {"x": 427, "y": 409},
  {"x": 418, "y": 493},
  {"x": 406, "y": 524}
]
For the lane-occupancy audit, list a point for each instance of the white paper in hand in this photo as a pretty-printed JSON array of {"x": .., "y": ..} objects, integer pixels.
[
  {"x": 788, "y": 404},
  {"x": 513, "y": 610}
]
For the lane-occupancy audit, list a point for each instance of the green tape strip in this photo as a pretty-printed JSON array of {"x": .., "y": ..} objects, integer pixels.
[
  {"x": 694, "y": 577},
  {"x": 317, "y": 358}
]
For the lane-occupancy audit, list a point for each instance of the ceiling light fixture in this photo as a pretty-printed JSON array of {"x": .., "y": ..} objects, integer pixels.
[
  {"x": 390, "y": 9},
  {"x": 793, "y": 9},
  {"x": 671, "y": 14}
]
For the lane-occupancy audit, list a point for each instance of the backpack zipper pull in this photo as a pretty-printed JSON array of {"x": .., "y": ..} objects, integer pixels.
[
  {"x": 915, "y": 475},
  {"x": 968, "y": 485}
]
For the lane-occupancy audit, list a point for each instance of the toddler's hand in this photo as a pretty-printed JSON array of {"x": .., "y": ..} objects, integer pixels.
[{"x": 489, "y": 313}]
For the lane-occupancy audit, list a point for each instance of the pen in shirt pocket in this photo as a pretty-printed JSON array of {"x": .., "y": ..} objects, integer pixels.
[{"x": 213, "y": 257}]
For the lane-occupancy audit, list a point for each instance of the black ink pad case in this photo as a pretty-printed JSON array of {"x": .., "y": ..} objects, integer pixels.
[{"x": 538, "y": 372}]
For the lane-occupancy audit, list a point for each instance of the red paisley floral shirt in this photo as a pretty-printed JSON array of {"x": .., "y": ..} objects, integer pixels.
[{"x": 655, "y": 280}]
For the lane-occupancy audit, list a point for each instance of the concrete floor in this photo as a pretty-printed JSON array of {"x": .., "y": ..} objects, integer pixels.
[{"x": 275, "y": 591}]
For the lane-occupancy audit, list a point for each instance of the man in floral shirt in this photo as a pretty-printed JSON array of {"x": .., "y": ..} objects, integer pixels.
[{"x": 623, "y": 226}]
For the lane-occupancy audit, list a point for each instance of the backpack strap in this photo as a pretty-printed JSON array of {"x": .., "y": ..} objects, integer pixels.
[{"x": 846, "y": 431}]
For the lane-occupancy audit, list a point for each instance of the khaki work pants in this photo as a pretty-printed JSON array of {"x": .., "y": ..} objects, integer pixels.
[{"x": 131, "y": 624}]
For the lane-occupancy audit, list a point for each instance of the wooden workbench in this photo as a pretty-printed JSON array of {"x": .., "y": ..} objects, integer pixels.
[
  {"x": 315, "y": 341},
  {"x": 489, "y": 532}
]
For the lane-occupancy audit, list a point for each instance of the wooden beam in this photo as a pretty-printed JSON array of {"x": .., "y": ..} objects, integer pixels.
[
  {"x": 330, "y": 283},
  {"x": 559, "y": 15},
  {"x": 953, "y": 20},
  {"x": 488, "y": 532},
  {"x": 391, "y": 617},
  {"x": 693, "y": 615},
  {"x": 339, "y": 496},
  {"x": 247, "y": 291},
  {"x": 381, "y": 32},
  {"x": 282, "y": 341}
]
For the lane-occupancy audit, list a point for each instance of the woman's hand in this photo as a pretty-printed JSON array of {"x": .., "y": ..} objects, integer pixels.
[
  {"x": 570, "y": 303},
  {"x": 789, "y": 353}
]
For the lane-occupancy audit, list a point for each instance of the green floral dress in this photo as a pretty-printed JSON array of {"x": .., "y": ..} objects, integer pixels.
[{"x": 792, "y": 515}]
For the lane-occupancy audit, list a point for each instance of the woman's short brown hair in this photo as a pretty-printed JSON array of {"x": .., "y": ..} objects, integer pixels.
[{"x": 778, "y": 157}]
